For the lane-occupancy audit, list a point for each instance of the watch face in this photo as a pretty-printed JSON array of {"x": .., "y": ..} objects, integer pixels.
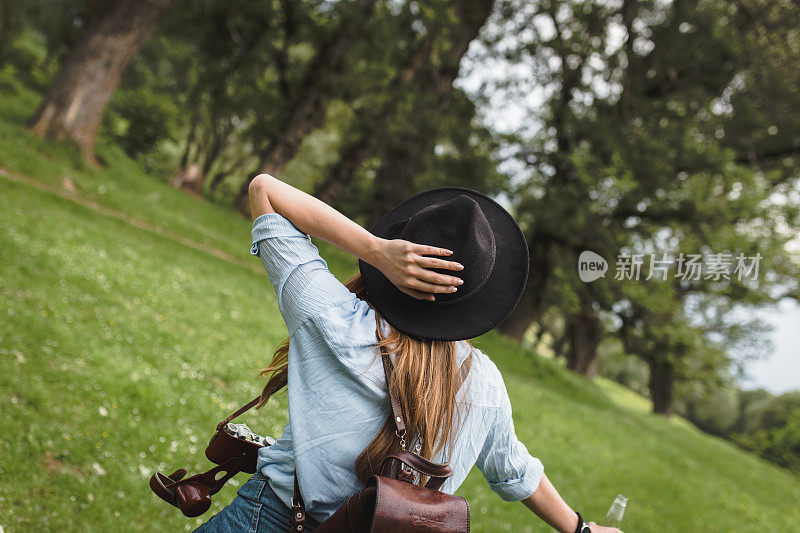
[{"x": 585, "y": 528}]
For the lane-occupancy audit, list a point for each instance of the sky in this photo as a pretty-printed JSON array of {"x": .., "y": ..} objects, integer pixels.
[
  {"x": 780, "y": 372},
  {"x": 777, "y": 373}
]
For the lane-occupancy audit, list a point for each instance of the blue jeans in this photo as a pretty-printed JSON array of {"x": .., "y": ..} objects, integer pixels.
[{"x": 255, "y": 509}]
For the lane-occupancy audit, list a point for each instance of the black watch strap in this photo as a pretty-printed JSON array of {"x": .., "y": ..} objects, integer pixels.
[{"x": 583, "y": 526}]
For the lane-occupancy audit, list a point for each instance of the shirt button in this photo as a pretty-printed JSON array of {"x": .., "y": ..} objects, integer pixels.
[{"x": 254, "y": 249}]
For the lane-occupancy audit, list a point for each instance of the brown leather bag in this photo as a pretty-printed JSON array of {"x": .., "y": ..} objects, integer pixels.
[{"x": 392, "y": 502}]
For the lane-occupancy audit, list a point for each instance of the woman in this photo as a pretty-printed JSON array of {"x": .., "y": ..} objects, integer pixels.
[{"x": 420, "y": 301}]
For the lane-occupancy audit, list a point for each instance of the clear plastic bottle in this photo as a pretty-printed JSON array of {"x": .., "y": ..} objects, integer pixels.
[{"x": 614, "y": 516}]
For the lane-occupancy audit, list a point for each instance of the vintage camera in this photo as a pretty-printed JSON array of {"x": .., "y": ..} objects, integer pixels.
[
  {"x": 234, "y": 447},
  {"x": 241, "y": 431}
]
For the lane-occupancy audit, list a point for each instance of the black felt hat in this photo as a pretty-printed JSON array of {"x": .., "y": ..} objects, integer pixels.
[{"x": 484, "y": 238}]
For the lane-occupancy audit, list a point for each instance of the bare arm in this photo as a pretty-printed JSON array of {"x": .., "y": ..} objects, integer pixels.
[
  {"x": 400, "y": 261},
  {"x": 548, "y": 505}
]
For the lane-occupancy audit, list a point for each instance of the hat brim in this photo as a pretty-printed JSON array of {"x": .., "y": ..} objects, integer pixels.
[{"x": 481, "y": 312}]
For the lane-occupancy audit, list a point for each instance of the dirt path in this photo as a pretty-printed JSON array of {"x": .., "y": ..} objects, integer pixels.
[{"x": 72, "y": 195}]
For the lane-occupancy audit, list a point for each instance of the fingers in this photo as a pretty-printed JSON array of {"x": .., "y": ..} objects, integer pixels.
[
  {"x": 595, "y": 527},
  {"x": 430, "y": 250},
  {"x": 433, "y": 262},
  {"x": 416, "y": 283},
  {"x": 419, "y": 295},
  {"x": 421, "y": 283},
  {"x": 436, "y": 278}
]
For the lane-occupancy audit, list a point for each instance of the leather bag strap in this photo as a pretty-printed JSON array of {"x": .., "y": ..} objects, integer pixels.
[
  {"x": 298, "y": 510},
  {"x": 437, "y": 472},
  {"x": 397, "y": 411},
  {"x": 420, "y": 464},
  {"x": 409, "y": 459},
  {"x": 412, "y": 460}
]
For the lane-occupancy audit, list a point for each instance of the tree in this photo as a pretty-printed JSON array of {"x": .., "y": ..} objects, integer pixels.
[
  {"x": 775, "y": 432},
  {"x": 227, "y": 50},
  {"x": 629, "y": 153},
  {"x": 306, "y": 110},
  {"x": 414, "y": 133},
  {"x": 389, "y": 150},
  {"x": 77, "y": 98},
  {"x": 8, "y": 23},
  {"x": 371, "y": 112}
]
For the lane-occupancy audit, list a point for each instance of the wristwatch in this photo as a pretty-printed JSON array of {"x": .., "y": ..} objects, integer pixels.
[{"x": 583, "y": 526}]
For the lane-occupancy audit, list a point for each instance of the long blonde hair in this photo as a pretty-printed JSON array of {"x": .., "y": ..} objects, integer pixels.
[{"x": 426, "y": 380}]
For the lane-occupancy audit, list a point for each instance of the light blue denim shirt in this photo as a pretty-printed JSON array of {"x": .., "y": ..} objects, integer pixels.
[{"x": 337, "y": 390}]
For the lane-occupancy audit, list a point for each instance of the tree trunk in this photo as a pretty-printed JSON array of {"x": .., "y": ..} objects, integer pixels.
[
  {"x": 558, "y": 346},
  {"x": 394, "y": 181},
  {"x": 395, "y": 178},
  {"x": 77, "y": 98},
  {"x": 343, "y": 172},
  {"x": 524, "y": 314},
  {"x": 584, "y": 336},
  {"x": 530, "y": 304},
  {"x": 189, "y": 179},
  {"x": 217, "y": 180},
  {"x": 370, "y": 126},
  {"x": 8, "y": 12},
  {"x": 226, "y": 171},
  {"x": 308, "y": 110},
  {"x": 220, "y": 141},
  {"x": 662, "y": 383},
  {"x": 189, "y": 142}
]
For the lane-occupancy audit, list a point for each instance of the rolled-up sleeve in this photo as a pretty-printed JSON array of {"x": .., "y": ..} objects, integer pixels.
[
  {"x": 511, "y": 471},
  {"x": 303, "y": 284}
]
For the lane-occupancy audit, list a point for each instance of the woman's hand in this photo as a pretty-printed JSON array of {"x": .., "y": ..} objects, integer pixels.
[
  {"x": 600, "y": 529},
  {"x": 404, "y": 264},
  {"x": 400, "y": 261}
]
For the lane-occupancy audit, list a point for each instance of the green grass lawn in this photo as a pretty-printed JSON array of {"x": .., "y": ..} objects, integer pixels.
[{"x": 122, "y": 347}]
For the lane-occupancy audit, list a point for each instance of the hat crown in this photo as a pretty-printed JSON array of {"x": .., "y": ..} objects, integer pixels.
[{"x": 457, "y": 224}]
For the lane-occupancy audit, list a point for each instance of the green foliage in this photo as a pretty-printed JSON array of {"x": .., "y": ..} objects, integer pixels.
[
  {"x": 714, "y": 410},
  {"x": 754, "y": 419},
  {"x": 35, "y": 35},
  {"x": 777, "y": 412},
  {"x": 779, "y": 444},
  {"x": 28, "y": 51},
  {"x": 145, "y": 119},
  {"x": 770, "y": 426},
  {"x": 750, "y": 402},
  {"x": 623, "y": 368}
]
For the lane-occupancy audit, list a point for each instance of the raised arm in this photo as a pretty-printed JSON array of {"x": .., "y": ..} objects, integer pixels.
[{"x": 402, "y": 262}]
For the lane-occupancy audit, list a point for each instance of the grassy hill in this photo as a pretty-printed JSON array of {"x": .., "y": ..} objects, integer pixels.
[{"x": 132, "y": 319}]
